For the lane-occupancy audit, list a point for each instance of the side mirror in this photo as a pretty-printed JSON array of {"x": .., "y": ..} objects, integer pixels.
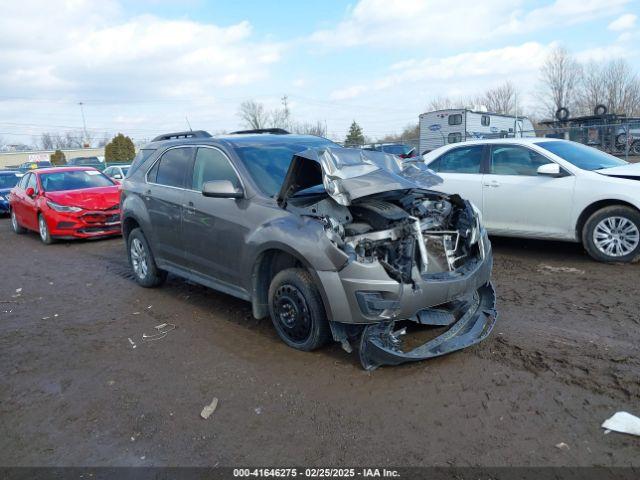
[
  {"x": 221, "y": 189},
  {"x": 550, "y": 170},
  {"x": 30, "y": 191}
]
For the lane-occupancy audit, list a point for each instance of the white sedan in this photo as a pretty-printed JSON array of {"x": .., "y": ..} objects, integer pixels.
[
  {"x": 117, "y": 172},
  {"x": 548, "y": 189}
]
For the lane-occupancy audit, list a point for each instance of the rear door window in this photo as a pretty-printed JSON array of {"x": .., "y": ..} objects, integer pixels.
[
  {"x": 140, "y": 158},
  {"x": 459, "y": 160},
  {"x": 171, "y": 170}
]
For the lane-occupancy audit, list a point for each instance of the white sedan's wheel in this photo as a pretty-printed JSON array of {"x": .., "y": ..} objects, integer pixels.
[
  {"x": 612, "y": 234},
  {"x": 616, "y": 236}
]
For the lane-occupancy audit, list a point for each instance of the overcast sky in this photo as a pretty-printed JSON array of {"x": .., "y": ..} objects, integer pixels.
[{"x": 141, "y": 67}]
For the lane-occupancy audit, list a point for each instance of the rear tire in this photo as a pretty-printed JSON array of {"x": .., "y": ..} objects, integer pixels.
[
  {"x": 612, "y": 234},
  {"x": 297, "y": 311},
  {"x": 43, "y": 230},
  {"x": 15, "y": 225},
  {"x": 144, "y": 267}
]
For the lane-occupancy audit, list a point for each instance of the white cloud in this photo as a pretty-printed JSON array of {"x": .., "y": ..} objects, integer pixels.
[
  {"x": 623, "y": 22},
  {"x": 385, "y": 23},
  {"x": 519, "y": 63},
  {"x": 88, "y": 49}
]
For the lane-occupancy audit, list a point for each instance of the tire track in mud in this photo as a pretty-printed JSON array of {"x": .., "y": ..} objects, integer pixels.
[{"x": 612, "y": 374}]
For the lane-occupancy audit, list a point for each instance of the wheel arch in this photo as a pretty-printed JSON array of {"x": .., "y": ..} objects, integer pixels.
[
  {"x": 268, "y": 263},
  {"x": 594, "y": 207},
  {"x": 129, "y": 223}
]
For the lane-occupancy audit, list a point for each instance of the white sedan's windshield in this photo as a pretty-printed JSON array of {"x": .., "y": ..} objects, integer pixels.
[{"x": 586, "y": 158}]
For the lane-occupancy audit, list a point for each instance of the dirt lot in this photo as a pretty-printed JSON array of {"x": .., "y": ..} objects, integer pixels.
[{"x": 562, "y": 358}]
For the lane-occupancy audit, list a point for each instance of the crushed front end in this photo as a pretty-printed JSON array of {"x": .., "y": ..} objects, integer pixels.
[{"x": 416, "y": 258}]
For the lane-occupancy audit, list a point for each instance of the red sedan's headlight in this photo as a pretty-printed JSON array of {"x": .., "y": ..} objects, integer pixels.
[{"x": 63, "y": 208}]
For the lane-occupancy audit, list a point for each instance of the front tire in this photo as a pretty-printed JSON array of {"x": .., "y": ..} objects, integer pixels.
[
  {"x": 612, "y": 234},
  {"x": 144, "y": 267},
  {"x": 15, "y": 225},
  {"x": 297, "y": 311},
  {"x": 43, "y": 230}
]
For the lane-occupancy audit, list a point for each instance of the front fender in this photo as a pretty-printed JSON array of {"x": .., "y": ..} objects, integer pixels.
[{"x": 302, "y": 237}]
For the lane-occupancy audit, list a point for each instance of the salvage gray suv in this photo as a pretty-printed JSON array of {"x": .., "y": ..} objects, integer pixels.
[{"x": 329, "y": 242}]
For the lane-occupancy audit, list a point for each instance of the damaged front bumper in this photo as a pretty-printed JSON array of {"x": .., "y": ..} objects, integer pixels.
[{"x": 474, "y": 320}]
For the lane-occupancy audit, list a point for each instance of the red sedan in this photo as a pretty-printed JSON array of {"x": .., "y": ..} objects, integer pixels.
[{"x": 66, "y": 202}]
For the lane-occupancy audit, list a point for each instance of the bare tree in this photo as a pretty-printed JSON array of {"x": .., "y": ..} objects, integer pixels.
[
  {"x": 46, "y": 141},
  {"x": 622, "y": 87},
  {"x": 106, "y": 138},
  {"x": 444, "y": 103},
  {"x": 73, "y": 140},
  {"x": 253, "y": 114},
  {"x": 279, "y": 118},
  {"x": 501, "y": 99},
  {"x": 613, "y": 84},
  {"x": 560, "y": 77},
  {"x": 318, "y": 128},
  {"x": 592, "y": 88}
]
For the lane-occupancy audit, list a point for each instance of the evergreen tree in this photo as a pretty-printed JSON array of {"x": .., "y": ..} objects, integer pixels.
[
  {"x": 355, "y": 136},
  {"x": 119, "y": 150},
  {"x": 57, "y": 158}
]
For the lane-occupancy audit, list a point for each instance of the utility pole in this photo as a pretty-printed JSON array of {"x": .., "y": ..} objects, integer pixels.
[
  {"x": 515, "y": 124},
  {"x": 286, "y": 108},
  {"x": 84, "y": 123}
]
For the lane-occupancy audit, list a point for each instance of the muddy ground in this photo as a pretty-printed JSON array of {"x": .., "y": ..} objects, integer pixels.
[{"x": 562, "y": 358}]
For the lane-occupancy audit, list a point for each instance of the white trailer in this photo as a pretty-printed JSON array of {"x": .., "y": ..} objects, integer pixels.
[{"x": 459, "y": 124}]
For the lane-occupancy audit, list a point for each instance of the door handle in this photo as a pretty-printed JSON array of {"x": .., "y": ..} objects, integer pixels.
[
  {"x": 189, "y": 209},
  {"x": 493, "y": 184}
]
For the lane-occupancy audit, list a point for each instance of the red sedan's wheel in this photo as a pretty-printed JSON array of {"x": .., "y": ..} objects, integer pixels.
[
  {"x": 15, "y": 225},
  {"x": 43, "y": 229}
]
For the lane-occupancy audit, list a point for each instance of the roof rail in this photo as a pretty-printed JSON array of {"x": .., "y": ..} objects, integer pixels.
[
  {"x": 274, "y": 131},
  {"x": 188, "y": 134}
]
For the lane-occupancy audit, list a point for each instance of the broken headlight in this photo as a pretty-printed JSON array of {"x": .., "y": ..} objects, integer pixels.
[{"x": 476, "y": 233}]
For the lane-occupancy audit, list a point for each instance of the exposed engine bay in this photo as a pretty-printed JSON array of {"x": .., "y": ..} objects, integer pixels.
[
  {"x": 413, "y": 254},
  {"x": 414, "y": 232}
]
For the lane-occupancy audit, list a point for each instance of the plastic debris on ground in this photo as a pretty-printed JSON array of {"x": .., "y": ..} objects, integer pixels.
[
  {"x": 209, "y": 409},
  {"x": 161, "y": 332},
  {"x": 623, "y": 422}
]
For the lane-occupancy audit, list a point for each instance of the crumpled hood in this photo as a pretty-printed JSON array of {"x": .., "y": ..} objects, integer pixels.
[
  {"x": 351, "y": 173},
  {"x": 630, "y": 170},
  {"x": 101, "y": 198}
]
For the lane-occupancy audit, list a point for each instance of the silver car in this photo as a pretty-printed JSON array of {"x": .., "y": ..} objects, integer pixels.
[{"x": 330, "y": 242}]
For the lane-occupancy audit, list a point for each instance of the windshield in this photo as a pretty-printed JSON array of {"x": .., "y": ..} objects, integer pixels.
[
  {"x": 268, "y": 162},
  {"x": 8, "y": 181},
  {"x": 397, "y": 149},
  {"x": 74, "y": 180},
  {"x": 85, "y": 161},
  {"x": 586, "y": 158}
]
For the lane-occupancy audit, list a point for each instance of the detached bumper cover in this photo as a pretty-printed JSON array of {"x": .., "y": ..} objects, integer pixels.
[{"x": 380, "y": 345}]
